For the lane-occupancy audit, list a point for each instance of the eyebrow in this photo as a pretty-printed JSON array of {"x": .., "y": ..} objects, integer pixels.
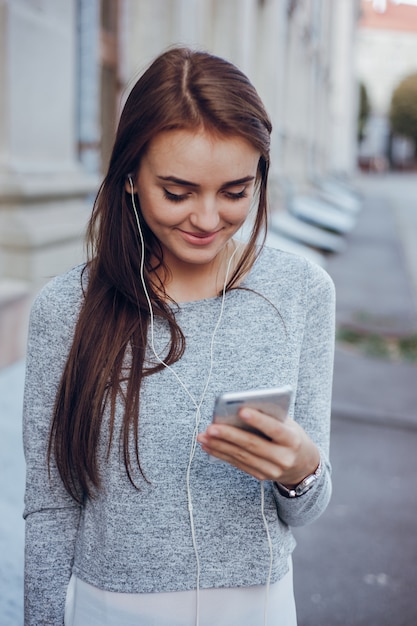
[{"x": 187, "y": 183}]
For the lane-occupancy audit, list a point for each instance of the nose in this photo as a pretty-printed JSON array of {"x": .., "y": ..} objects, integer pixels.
[{"x": 205, "y": 215}]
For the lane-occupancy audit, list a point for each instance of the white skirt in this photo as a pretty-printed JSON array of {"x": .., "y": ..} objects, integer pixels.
[{"x": 87, "y": 605}]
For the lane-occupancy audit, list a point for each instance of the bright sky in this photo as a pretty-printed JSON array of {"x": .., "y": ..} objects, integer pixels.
[
  {"x": 381, "y": 5},
  {"x": 413, "y": 2}
]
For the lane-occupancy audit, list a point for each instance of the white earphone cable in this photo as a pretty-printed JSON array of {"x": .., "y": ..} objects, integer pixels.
[
  {"x": 271, "y": 553},
  {"x": 196, "y": 404}
]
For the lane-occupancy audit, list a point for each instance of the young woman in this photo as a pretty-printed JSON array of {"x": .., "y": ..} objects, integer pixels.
[{"x": 128, "y": 520}]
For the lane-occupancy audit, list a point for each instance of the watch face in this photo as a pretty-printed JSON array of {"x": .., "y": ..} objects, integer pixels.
[{"x": 305, "y": 485}]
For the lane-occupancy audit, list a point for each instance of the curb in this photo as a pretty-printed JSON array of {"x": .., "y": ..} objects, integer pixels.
[{"x": 376, "y": 418}]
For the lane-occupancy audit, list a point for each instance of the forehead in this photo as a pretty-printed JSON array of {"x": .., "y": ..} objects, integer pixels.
[{"x": 195, "y": 155}]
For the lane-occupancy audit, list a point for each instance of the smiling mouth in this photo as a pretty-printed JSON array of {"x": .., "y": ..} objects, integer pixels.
[
  {"x": 201, "y": 235},
  {"x": 199, "y": 238}
]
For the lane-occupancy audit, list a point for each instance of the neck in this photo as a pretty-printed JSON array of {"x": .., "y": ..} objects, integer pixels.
[
  {"x": 187, "y": 283},
  {"x": 193, "y": 288}
]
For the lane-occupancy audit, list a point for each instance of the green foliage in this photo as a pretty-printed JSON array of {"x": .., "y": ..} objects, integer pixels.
[
  {"x": 364, "y": 111},
  {"x": 348, "y": 335},
  {"x": 408, "y": 347},
  {"x": 376, "y": 346},
  {"x": 380, "y": 346},
  {"x": 403, "y": 112}
]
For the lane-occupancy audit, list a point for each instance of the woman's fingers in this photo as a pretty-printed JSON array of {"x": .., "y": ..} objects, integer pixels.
[
  {"x": 232, "y": 440},
  {"x": 262, "y": 458},
  {"x": 273, "y": 428},
  {"x": 286, "y": 435},
  {"x": 260, "y": 468},
  {"x": 287, "y": 456}
]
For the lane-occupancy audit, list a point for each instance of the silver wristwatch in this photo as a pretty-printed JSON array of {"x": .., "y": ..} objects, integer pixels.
[{"x": 302, "y": 487}]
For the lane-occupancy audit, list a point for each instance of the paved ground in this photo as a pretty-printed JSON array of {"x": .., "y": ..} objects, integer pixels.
[
  {"x": 357, "y": 566},
  {"x": 12, "y": 478}
]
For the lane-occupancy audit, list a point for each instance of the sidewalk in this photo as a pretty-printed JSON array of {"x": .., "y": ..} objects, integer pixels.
[
  {"x": 357, "y": 565},
  {"x": 12, "y": 480},
  {"x": 376, "y": 285}
]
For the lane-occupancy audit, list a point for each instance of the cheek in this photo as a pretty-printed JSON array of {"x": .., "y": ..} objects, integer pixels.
[
  {"x": 239, "y": 212},
  {"x": 150, "y": 205},
  {"x": 158, "y": 212}
]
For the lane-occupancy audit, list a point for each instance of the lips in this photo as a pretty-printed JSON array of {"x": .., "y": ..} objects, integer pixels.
[{"x": 199, "y": 239}]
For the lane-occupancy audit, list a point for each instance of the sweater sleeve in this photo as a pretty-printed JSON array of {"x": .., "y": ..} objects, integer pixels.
[
  {"x": 313, "y": 394},
  {"x": 51, "y": 515}
]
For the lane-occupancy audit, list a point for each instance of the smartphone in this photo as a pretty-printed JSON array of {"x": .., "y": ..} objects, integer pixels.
[{"x": 274, "y": 402}]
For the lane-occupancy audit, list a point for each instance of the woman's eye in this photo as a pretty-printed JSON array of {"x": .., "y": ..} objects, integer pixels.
[
  {"x": 236, "y": 195},
  {"x": 180, "y": 197},
  {"x": 174, "y": 197}
]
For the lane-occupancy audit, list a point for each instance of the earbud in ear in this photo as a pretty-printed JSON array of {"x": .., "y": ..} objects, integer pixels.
[{"x": 130, "y": 181}]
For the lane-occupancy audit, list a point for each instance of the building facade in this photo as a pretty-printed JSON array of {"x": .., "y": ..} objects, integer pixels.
[
  {"x": 386, "y": 52},
  {"x": 65, "y": 69}
]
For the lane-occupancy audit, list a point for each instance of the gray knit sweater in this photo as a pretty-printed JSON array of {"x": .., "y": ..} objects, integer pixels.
[{"x": 281, "y": 332}]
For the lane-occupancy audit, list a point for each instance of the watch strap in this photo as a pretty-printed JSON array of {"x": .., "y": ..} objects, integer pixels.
[{"x": 305, "y": 485}]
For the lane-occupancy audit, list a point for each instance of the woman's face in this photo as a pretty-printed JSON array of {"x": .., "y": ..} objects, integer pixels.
[{"x": 195, "y": 190}]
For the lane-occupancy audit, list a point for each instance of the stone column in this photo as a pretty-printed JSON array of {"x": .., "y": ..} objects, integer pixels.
[
  {"x": 43, "y": 187},
  {"x": 344, "y": 95},
  {"x": 270, "y": 74},
  {"x": 296, "y": 93}
]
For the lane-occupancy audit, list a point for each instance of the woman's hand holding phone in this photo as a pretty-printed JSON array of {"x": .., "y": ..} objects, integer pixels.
[{"x": 285, "y": 453}]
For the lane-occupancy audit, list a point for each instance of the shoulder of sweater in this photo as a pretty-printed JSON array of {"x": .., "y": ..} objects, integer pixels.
[
  {"x": 286, "y": 266},
  {"x": 62, "y": 296}
]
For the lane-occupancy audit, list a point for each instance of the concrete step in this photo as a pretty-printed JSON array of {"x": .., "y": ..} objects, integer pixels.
[
  {"x": 287, "y": 225},
  {"x": 289, "y": 245},
  {"x": 15, "y": 302},
  {"x": 314, "y": 210}
]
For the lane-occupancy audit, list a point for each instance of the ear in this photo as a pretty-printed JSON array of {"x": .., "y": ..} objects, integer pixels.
[{"x": 129, "y": 183}]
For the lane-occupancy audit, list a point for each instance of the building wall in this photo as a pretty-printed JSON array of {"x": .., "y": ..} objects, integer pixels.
[
  {"x": 383, "y": 58},
  {"x": 386, "y": 49},
  {"x": 303, "y": 72},
  {"x": 385, "y": 52},
  {"x": 42, "y": 184},
  {"x": 55, "y": 126}
]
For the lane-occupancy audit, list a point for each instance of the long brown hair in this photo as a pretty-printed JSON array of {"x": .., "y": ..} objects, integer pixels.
[{"x": 182, "y": 89}]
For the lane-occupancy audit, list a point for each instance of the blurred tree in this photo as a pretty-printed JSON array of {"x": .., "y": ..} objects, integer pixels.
[
  {"x": 364, "y": 111},
  {"x": 403, "y": 111}
]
